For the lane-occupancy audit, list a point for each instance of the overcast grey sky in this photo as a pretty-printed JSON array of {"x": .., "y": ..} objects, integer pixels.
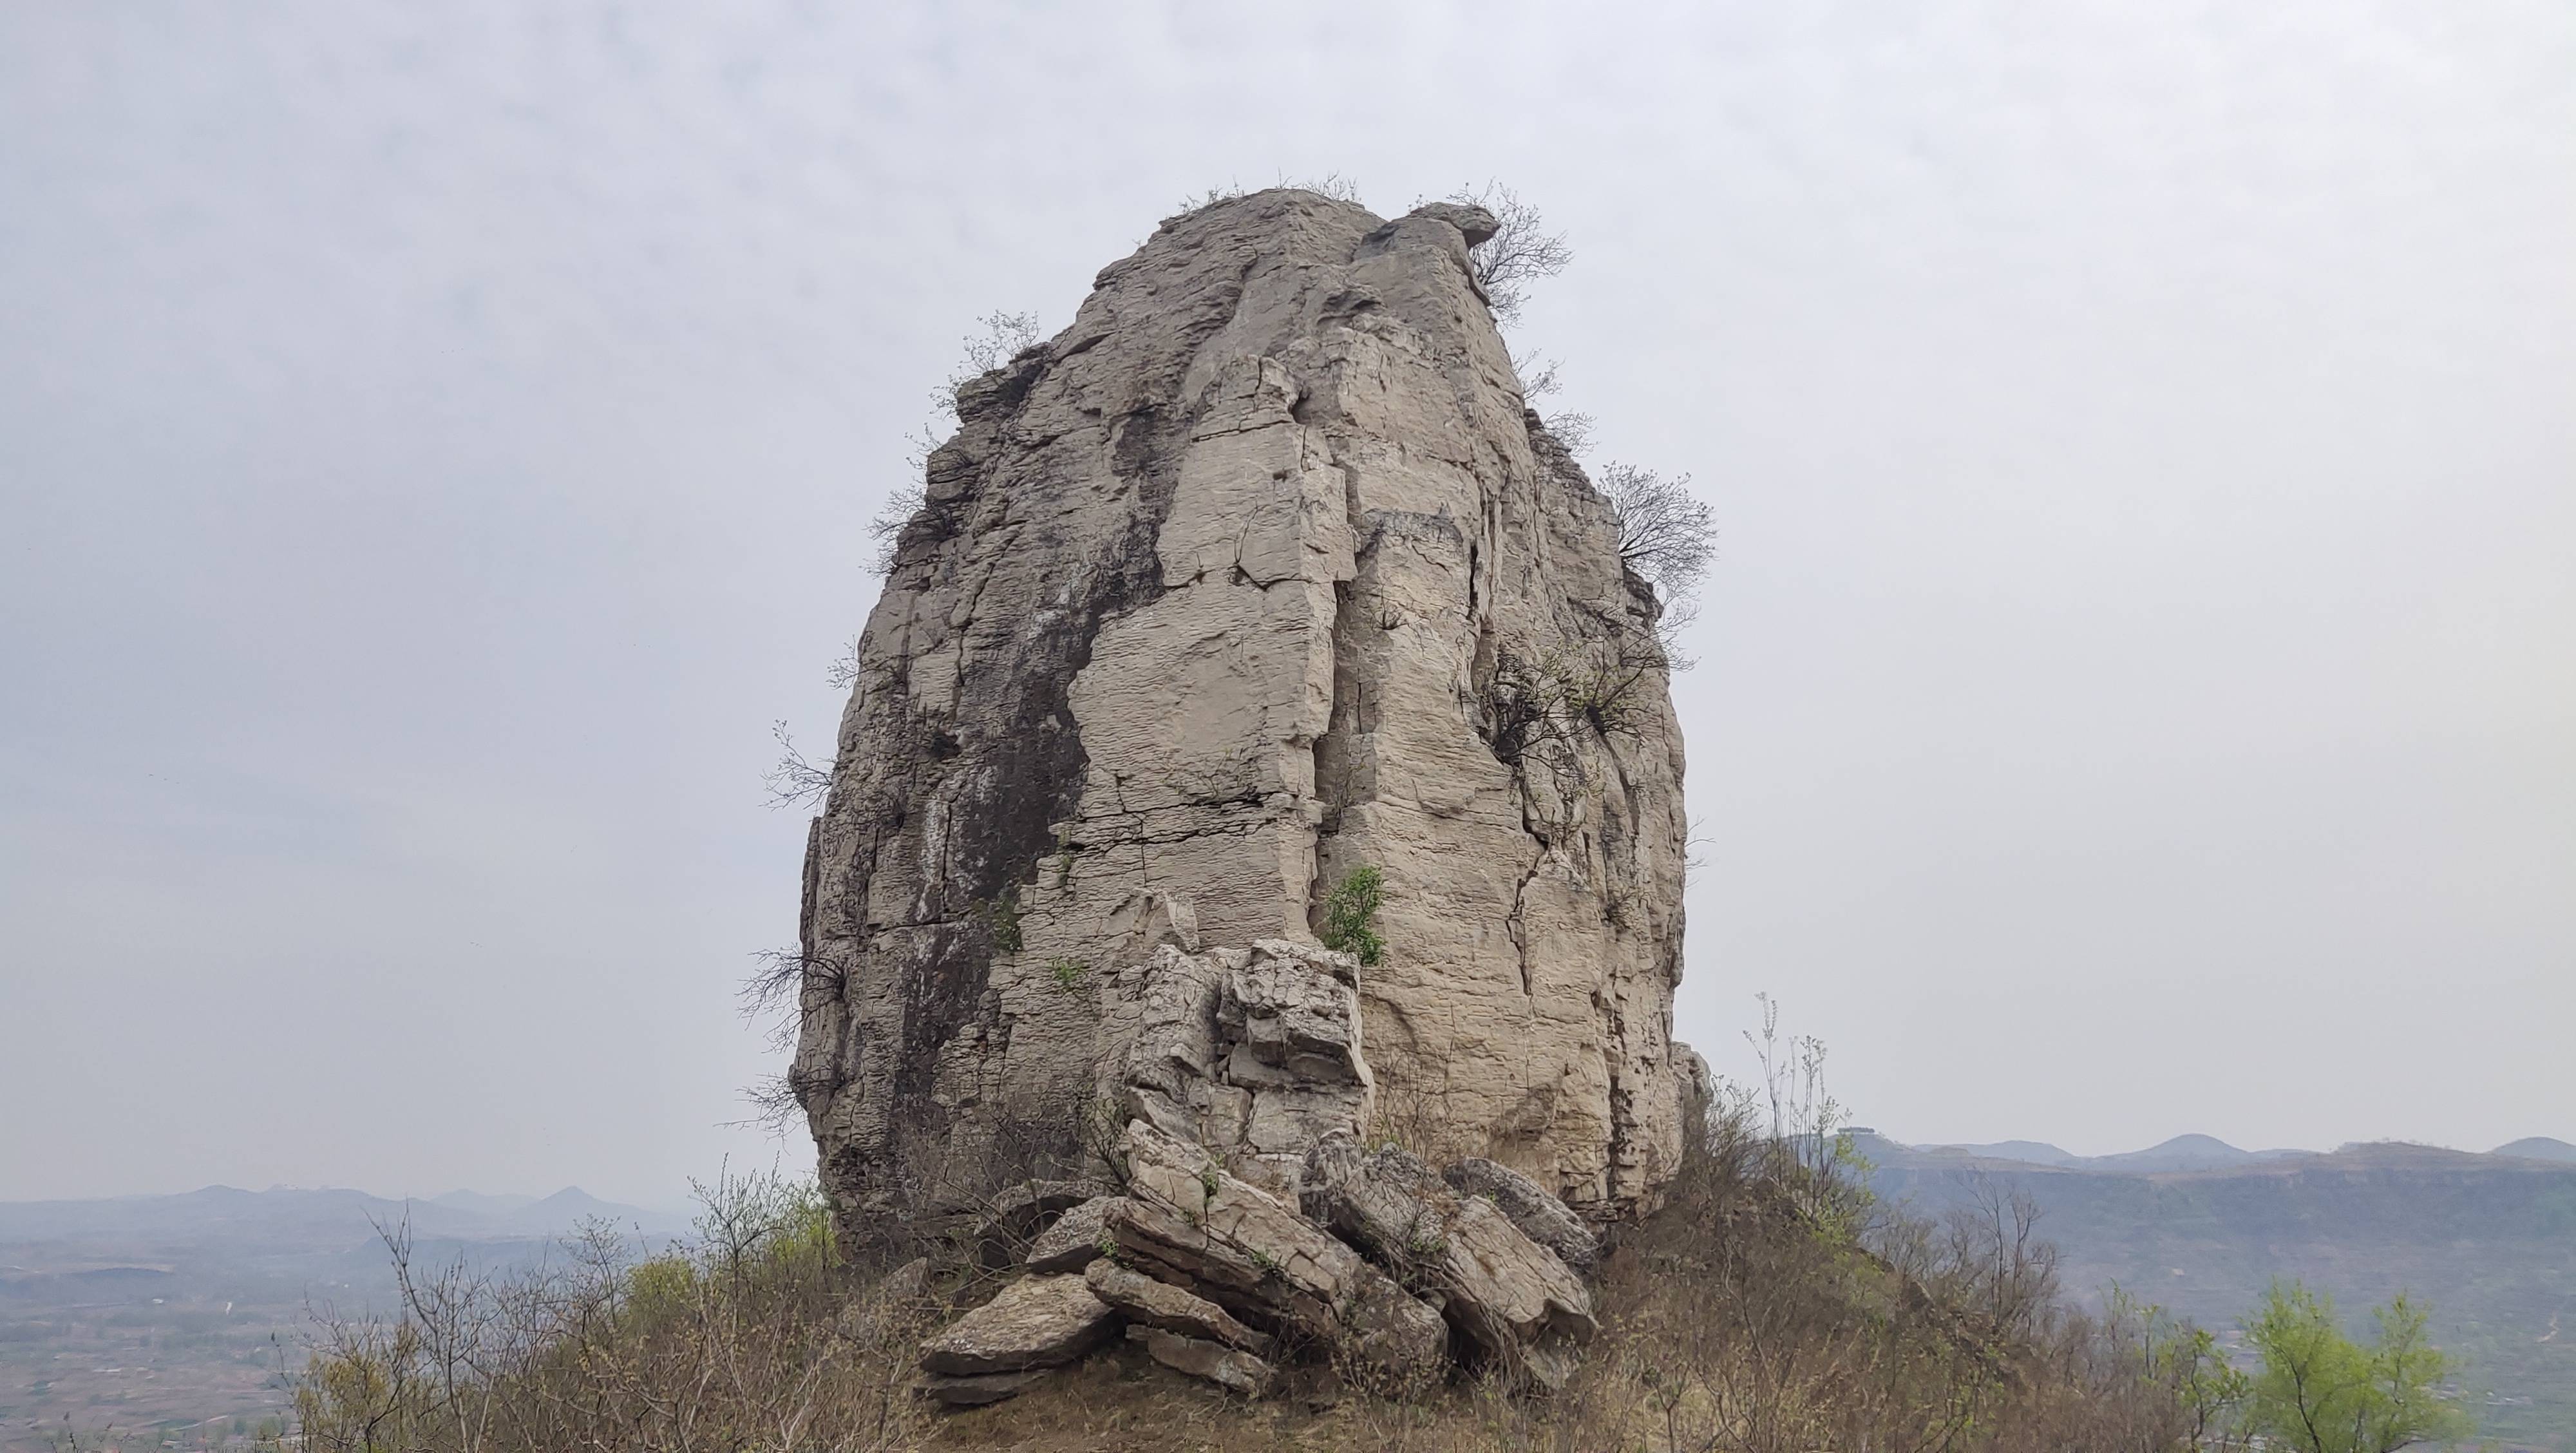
[{"x": 2137, "y": 692}]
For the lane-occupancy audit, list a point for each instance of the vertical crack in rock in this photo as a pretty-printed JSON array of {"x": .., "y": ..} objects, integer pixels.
[{"x": 1206, "y": 604}]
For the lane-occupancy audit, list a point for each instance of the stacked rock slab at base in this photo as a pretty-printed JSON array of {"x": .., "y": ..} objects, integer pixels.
[
  {"x": 1514, "y": 1298},
  {"x": 1540, "y": 1216},
  {"x": 1140, "y": 1298},
  {"x": 1190, "y": 1222},
  {"x": 1037, "y": 1323},
  {"x": 1074, "y": 1239},
  {"x": 1217, "y": 1278}
]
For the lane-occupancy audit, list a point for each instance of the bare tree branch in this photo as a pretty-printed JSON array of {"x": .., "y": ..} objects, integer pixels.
[
  {"x": 1521, "y": 250},
  {"x": 1666, "y": 533},
  {"x": 795, "y": 781}
]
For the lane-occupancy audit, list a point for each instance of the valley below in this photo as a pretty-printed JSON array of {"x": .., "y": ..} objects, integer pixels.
[{"x": 176, "y": 1321}]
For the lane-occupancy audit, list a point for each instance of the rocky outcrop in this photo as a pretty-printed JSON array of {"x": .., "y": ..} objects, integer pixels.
[
  {"x": 1074, "y": 1239},
  {"x": 1036, "y": 1323},
  {"x": 1254, "y": 1054},
  {"x": 1189, "y": 1222},
  {"x": 1527, "y": 1205},
  {"x": 1512, "y": 1297},
  {"x": 1140, "y": 1298},
  {"x": 1259, "y": 572}
]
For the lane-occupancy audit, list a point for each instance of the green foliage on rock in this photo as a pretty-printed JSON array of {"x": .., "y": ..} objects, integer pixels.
[{"x": 1350, "y": 912}]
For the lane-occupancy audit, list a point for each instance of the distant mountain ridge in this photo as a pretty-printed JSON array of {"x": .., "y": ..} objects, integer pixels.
[
  {"x": 2200, "y": 1227},
  {"x": 2181, "y": 1153},
  {"x": 302, "y": 1216}
]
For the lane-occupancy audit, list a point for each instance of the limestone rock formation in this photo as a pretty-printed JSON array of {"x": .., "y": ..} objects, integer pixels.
[
  {"x": 1260, "y": 571},
  {"x": 1074, "y": 1239},
  {"x": 1140, "y": 1298},
  {"x": 1190, "y": 1223},
  {"x": 1521, "y": 1304},
  {"x": 1254, "y": 1054},
  {"x": 1036, "y": 1323},
  {"x": 1539, "y": 1215}
]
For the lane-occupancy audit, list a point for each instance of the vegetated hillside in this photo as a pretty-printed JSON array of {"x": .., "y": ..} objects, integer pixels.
[
  {"x": 2489, "y": 1240},
  {"x": 169, "y": 1311}
]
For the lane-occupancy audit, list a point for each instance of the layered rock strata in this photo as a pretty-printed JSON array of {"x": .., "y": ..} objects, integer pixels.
[
  {"x": 1258, "y": 572},
  {"x": 1216, "y": 1278}
]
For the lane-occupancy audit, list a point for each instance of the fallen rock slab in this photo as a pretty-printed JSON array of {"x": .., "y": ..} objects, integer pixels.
[
  {"x": 1141, "y": 1299},
  {"x": 1236, "y": 1371},
  {"x": 1517, "y": 1300},
  {"x": 1530, "y": 1207},
  {"x": 1037, "y": 1322},
  {"x": 980, "y": 1389},
  {"x": 1072, "y": 1242}
]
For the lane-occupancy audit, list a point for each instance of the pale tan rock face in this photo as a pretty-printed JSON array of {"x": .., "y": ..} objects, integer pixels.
[{"x": 1258, "y": 572}]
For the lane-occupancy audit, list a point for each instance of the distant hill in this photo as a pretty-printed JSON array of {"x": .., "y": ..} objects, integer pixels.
[
  {"x": 2183, "y": 1152},
  {"x": 2029, "y": 1152},
  {"x": 2201, "y": 1228},
  {"x": 2537, "y": 1147}
]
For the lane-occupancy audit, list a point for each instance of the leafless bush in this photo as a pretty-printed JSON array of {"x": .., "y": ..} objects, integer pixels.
[
  {"x": 757, "y": 1335},
  {"x": 1544, "y": 712},
  {"x": 795, "y": 780},
  {"x": 843, "y": 673},
  {"x": 1520, "y": 252},
  {"x": 1573, "y": 431},
  {"x": 1666, "y": 533}
]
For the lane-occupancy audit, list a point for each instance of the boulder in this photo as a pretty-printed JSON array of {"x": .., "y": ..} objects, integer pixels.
[
  {"x": 1140, "y": 1298},
  {"x": 1515, "y": 1299},
  {"x": 1037, "y": 1322},
  {"x": 1074, "y": 1239},
  {"x": 1236, "y": 1371},
  {"x": 1539, "y": 1215},
  {"x": 1188, "y": 1222}
]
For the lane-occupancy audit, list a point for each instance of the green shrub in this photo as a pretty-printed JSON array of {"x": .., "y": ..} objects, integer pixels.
[{"x": 1350, "y": 911}]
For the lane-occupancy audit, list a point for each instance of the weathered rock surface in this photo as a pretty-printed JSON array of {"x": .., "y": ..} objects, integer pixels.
[
  {"x": 1261, "y": 570},
  {"x": 1140, "y": 1298},
  {"x": 1074, "y": 1239},
  {"x": 1513, "y": 1297},
  {"x": 1036, "y": 1322},
  {"x": 1190, "y": 1223},
  {"x": 1236, "y": 1371},
  {"x": 1527, "y": 1205},
  {"x": 1254, "y": 1054}
]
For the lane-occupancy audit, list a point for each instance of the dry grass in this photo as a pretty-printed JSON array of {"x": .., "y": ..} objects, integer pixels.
[{"x": 1769, "y": 1307}]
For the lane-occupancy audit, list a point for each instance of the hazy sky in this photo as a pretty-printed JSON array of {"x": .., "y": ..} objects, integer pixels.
[{"x": 2137, "y": 693}]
